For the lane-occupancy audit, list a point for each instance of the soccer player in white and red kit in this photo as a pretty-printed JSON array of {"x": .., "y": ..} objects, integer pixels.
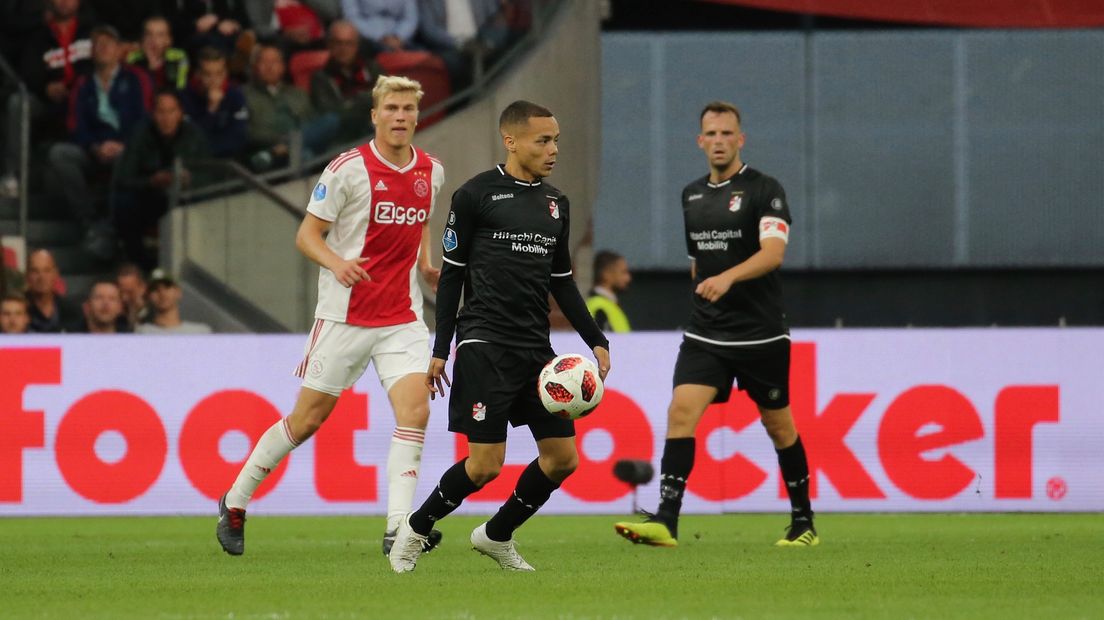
[{"x": 374, "y": 202}]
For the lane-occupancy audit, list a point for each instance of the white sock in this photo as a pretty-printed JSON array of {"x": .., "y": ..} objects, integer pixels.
[
  {"x": 403, "y": 462},
  {"x": 274, "y": 445}
]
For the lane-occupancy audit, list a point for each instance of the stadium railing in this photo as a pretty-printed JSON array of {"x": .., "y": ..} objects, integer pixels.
[{"x": 10, "y": 77}]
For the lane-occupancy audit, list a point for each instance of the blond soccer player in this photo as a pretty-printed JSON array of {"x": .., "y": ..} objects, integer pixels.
[{"x": 367, "y": 227}]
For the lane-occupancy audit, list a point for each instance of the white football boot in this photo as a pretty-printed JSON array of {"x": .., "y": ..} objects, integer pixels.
[
  {"x": 505, "y": 553},
  {"x": 407, "y": 548}
]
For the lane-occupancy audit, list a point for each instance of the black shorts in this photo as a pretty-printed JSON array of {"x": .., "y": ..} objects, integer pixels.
[
  {"x": 492, "y": 385},
  {"x": 763, "y": 371}
]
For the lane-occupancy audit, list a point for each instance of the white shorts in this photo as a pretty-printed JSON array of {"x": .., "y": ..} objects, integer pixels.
[{"x": 337, "y": 354}]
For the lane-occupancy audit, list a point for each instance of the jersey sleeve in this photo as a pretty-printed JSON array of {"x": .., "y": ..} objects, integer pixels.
[
  {"x": 561, "y": 259},
  {"x": 460, "y": 228},
  {"x": 436, "y": 183},
  {"x": 686, "y": 227},
  {"x": 330, "y": 194},
  {"x": 774, "y": 213}
]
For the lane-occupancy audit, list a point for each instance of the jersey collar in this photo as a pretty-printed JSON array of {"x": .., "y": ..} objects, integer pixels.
[
  {"x": 502, "y": 171},
  {"x": 605, "y": 292},
  {"x": 729, "y": 179},
  {"x": 383, "y": 160}
]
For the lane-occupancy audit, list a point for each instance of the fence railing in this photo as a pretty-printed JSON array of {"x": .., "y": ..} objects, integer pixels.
[{"x": 23, "y": 164}]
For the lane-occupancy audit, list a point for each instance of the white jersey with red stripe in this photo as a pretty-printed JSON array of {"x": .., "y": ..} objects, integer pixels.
[{"x": 377, "y": 210}]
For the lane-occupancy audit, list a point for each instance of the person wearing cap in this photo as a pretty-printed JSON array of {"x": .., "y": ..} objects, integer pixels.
[
  {"x": 164, "y": 300},
  {"x": 107, "y": 104}
]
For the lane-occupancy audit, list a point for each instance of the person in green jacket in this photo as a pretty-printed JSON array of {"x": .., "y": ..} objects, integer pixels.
[
  {"x": 611, "y": 277},
  {"x": 166, "y": 65},
  {"x": 276, "y": 109}
]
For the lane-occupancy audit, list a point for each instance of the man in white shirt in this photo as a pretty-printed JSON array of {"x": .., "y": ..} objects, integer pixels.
[{"x": 164, "y": 301}]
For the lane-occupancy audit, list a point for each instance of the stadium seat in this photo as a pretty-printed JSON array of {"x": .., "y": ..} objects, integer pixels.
[
  {"x": 303, "y": 64},
  {"x": 426, "y": 68}
]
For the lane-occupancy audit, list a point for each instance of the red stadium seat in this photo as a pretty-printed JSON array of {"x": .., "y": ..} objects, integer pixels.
[
  {"x": 303, "y": 64},
  {"x": 426, "y": 68}
]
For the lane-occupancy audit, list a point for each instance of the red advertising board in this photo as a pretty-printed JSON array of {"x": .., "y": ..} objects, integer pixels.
[{"x": 916, "y": 420}]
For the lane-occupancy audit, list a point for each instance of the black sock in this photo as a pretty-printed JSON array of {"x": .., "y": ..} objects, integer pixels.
[
  {"x": 455, "y": 485},
  {"x": 674, "y": 469},
  {"x": 532, "y": 491},
  {"x": 795, "y": 473}
]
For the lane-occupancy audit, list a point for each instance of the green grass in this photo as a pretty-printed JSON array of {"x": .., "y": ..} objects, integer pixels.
[{"x": 920, "y": 566}]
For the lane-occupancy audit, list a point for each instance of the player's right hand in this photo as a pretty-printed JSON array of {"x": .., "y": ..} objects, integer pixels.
[
  {"x": 437, "y": 378},
  {"x": 349, "y": 272}
]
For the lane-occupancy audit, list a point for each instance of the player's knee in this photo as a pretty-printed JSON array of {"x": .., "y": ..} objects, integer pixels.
[
  {"x": 680, "y": 420},
  {"x": 560, "y": 466},
  {"x": 481, "y": 475},
  {"x": 780, "y": 429},
  {"x": 417, "y": 416}
]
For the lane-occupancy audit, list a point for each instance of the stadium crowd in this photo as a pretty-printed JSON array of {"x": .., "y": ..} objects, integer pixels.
[{"x": 120, "y": 89}]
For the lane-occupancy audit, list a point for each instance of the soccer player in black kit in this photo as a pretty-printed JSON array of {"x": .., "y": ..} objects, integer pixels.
[
  {"x": 505, "y": 248},
  {"x": 737, "y": 227}
]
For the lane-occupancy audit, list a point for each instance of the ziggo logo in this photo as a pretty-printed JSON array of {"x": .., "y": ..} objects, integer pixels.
[
  {"x": 390, "y": 213},
  {"x": 902, "y": 439}
]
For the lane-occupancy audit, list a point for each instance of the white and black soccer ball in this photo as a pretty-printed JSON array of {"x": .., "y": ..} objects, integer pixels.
[{"x": 570, "y": 387}]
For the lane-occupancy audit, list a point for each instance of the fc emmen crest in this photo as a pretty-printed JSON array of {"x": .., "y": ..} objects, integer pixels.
[{"x": 734, "y": 204}]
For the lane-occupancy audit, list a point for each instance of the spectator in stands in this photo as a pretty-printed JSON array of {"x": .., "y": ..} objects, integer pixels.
[
  {"x": 55, "y": 54},
  {"x": 105, "y": 108},
  {"x": 50, "y": 312},
  {"x": 344, "y": 85},
  {"x": 103, "y": 311},
  {"x": 131, "y": 281},
  {"x": 386, "y": 25},
  {"x": 276, "y": 109},
  {"x": 217, "y": 105},
  {"x": 456, "y": 30},
  {"x": 611, "y": 278},
  {"x": 15, "y": 314},
  {"x": 145, "y": 173},
  {"x": 166, "y": 65},
  {"x": 292, "y": 24},
  {"x": 164, "y": 297}
]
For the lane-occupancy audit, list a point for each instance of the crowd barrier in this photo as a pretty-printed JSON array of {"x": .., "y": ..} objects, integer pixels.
[{"x": 893, "y": 420}]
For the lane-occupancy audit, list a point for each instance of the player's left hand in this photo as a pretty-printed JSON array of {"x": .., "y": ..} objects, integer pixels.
[
  {"x": 602, "y": 355},
  {"x": 431, "y": 275},
  {"x": 435, "y": 376},
  {"x": 713, "y": 288}
]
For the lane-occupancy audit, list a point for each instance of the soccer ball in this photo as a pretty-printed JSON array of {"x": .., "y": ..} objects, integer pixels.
[{"x": 570, "y": 387}]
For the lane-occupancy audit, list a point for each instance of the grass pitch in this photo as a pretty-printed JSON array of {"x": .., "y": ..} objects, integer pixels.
[{"x": 890, "y": 566}]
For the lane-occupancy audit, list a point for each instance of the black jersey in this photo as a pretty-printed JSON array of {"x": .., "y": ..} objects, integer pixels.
[
  {"x": 723, "y": 223},
  {"x": 512, "y": 236}
]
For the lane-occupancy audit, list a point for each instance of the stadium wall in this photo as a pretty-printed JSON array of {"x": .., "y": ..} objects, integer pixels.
[
  {"x": 894, "y": 420},
  {"x": 926, "y": 149}
]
